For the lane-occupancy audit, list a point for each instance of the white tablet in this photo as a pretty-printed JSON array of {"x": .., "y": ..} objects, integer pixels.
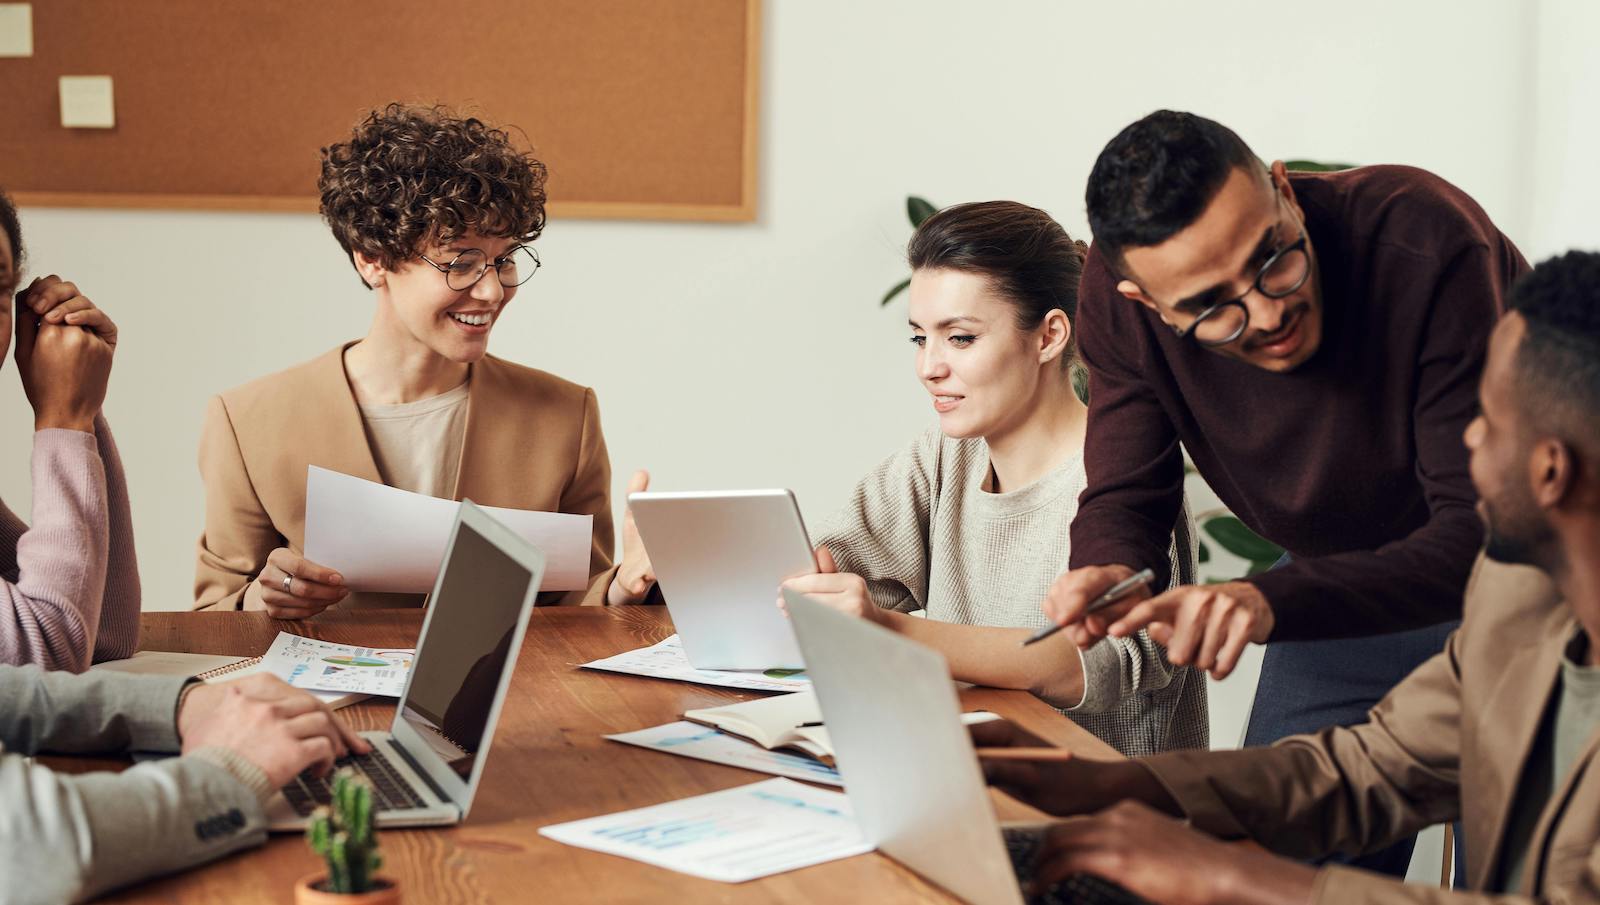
[{"x": 720, "y": 557}]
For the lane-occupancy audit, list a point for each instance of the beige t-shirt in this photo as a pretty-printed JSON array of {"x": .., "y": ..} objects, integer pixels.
[{"x": 417, "y": 447}]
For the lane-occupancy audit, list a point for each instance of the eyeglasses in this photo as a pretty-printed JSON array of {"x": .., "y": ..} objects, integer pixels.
[
  {"x": 466, "y": 269},
  {"x": 1282, "y": 274}
]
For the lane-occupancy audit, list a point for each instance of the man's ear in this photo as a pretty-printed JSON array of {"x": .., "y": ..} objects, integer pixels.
[
  {"x": 369, "y": 269},
  {"x": 1552, "y": 470},
  {"x": 1130, "y": 289},
  {"x": 1279, "y": 173}
]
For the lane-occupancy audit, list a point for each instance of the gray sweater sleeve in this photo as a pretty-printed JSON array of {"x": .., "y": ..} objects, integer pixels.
[
  {"x": 1116, "y": 669},
  {"x": 887, "y": 545},
  {"x": 71, "y": 837}
]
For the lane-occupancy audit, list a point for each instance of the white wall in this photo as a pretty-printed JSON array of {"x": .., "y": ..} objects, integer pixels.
[
  {"x": 1565, "y": 130},
  {"x": 745, "y": 355},
  {"x": 736, "y": 355}
]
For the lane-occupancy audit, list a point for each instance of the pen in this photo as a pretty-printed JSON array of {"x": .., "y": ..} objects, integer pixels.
[
  {"x": 808, "y": 725},
  {"x": 1113, "y": 594}
]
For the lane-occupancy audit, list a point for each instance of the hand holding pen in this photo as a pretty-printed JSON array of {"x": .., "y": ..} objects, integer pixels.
[{"x": 1066, "y": 607}]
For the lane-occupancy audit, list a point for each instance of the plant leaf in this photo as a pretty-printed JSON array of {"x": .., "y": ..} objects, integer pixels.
[
  {"x": 919, "y": 209},
  {"x": 1312, "y": 166},
  {"x": 1205, "y": 553},
  {"x": 898, "y": 288},
  {"x": 1234, "y": 537}
]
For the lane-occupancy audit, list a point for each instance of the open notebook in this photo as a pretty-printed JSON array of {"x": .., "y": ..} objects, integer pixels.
[
  {"x": 209, "y": 668},
  {"x": 789, "y": 721}
]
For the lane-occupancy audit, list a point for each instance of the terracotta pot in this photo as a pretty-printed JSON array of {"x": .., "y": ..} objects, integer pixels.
[{"x": 306, "y": 892}]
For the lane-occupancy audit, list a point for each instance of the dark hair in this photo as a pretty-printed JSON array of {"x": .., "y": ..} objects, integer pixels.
[
  {"x": 1156, "y": 177},
  {"x": 1023, "y": 251},
  {"x": 411, "y": 176},
  {"x": 1558, "y": 363},
  {"x": 13, "y": 230}
]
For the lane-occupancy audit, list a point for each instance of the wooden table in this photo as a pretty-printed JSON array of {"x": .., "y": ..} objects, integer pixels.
[{"x": 549, "y": 764}]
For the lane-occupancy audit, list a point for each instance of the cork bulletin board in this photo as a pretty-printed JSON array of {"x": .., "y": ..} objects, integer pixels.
[{"x": 642, "y": 109}]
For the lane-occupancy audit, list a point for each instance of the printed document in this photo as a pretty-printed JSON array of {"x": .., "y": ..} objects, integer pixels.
[
  {"x": 382, "y": 538},
  {"x": 665, "y": 660},
  {"x": 346, "y": 668},
  {"x": 697, "y": 741},
  {"x": 734, "y": 835}
]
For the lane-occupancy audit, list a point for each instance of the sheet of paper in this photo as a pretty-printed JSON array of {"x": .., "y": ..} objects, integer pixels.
[
  {"x": 86, "y": 102},
  {"x": 325, "y": 666},
  {"x": 704, "y": 743},
  {"x": 16, "y": 29},
  {"x": 734, "y": 835},
  {"x": 382, "y": 538},
  {"x": 665, "y": 660}
]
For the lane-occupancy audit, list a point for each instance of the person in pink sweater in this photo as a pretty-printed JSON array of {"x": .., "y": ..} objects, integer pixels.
[{"x": 69, "y": 583}]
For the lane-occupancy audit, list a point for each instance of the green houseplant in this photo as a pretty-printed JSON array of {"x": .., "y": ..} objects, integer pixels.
[{"x": 343, "y": 834}]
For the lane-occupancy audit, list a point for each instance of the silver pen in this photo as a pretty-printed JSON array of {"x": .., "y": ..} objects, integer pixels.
[{"x": 1112, "y": 594}]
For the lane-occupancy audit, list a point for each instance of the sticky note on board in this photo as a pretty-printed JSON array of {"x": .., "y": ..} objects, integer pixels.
[
  {"x": 16, "y": 29},
  {"x": 86, "y": 102}
]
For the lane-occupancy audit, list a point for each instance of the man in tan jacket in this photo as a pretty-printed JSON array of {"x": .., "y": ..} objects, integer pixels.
[{"x": 1498, "y": 731}]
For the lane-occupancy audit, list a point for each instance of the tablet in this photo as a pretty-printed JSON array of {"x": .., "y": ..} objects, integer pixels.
[{"x": 720, "y": 557}]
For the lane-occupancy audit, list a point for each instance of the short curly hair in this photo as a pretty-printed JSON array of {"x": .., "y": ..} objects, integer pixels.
[
  {"x": 1558, "y": 363},
  {"x": 414, "y": 176}
]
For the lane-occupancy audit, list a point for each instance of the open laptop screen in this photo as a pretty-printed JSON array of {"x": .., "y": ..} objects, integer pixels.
[{"x": 460, "y": 663}]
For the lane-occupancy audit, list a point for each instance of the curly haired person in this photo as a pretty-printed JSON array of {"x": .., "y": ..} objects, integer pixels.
[{"x": 437, "y": 213}]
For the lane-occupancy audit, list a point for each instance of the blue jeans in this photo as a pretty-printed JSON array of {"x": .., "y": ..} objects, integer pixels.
[{"x": 1307, "y": 686}]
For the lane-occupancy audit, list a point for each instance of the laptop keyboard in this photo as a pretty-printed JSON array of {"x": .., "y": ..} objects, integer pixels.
[
  {"x": 1023, "y": 843},
  {"x": 390, "y": 791}
]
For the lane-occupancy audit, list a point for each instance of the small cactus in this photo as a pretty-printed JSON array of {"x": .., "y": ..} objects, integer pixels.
[{"x": 344, "y": 836}]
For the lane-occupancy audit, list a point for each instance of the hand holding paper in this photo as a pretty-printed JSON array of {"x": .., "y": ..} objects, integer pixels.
[{"x": 382, "y": 538}]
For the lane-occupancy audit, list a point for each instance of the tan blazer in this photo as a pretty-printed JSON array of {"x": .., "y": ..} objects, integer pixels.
[
  {"x": 1449, "y": 742},
  {"x": 532, "y": 441}
]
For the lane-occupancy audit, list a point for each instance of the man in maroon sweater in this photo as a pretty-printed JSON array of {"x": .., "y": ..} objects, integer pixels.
[{"x": 1314, "y": 340}]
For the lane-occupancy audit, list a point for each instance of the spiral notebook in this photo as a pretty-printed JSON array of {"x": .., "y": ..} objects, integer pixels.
[{"x": 208, "y": 668}]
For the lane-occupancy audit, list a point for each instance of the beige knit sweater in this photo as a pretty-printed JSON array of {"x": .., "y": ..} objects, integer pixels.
[{"x": 925, "y": 535}]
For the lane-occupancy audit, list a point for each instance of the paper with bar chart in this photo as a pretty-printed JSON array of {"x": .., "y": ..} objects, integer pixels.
[
  {"x": 665, "y": 660},
  {"x": 734, "y": 835}
]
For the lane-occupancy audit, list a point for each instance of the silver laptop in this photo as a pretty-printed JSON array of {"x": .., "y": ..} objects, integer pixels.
[
  {"x": 719, "y": 557},
  {"x": 426, "y": 768},
  {"x": 917, "y": 791}
]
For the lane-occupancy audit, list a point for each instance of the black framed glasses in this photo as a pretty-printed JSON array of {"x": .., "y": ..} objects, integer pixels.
[
  {"x": 1283, "y": 273},
  {"x": 466, "y": 269}
]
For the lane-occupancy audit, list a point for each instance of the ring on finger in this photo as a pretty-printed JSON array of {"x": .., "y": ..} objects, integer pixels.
[{"x": 287, "y": 580}]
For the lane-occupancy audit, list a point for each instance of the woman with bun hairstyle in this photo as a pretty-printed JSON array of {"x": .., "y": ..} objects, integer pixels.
[{"x": 969, "y": 524}]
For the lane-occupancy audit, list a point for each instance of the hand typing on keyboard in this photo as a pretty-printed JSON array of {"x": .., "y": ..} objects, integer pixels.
[
  {"x": 1161, "y": 860},
  {"x": 280, "y": 729},
  {"x": 389, "y": 791},
  {"x": 1120, "y": 827}
]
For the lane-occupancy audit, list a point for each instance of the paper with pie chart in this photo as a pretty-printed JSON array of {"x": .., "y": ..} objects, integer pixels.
[{"x": 326, "y": 666}]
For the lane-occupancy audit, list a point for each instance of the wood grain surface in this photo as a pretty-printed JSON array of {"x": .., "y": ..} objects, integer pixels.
[{"x": 549, "y": 763}]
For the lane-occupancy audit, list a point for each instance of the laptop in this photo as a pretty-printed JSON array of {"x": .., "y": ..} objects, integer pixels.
[
  {"x": 425, "y": 769},
  {"x": 719, "y": 557},
  {"x": 918, "y": 791}
]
